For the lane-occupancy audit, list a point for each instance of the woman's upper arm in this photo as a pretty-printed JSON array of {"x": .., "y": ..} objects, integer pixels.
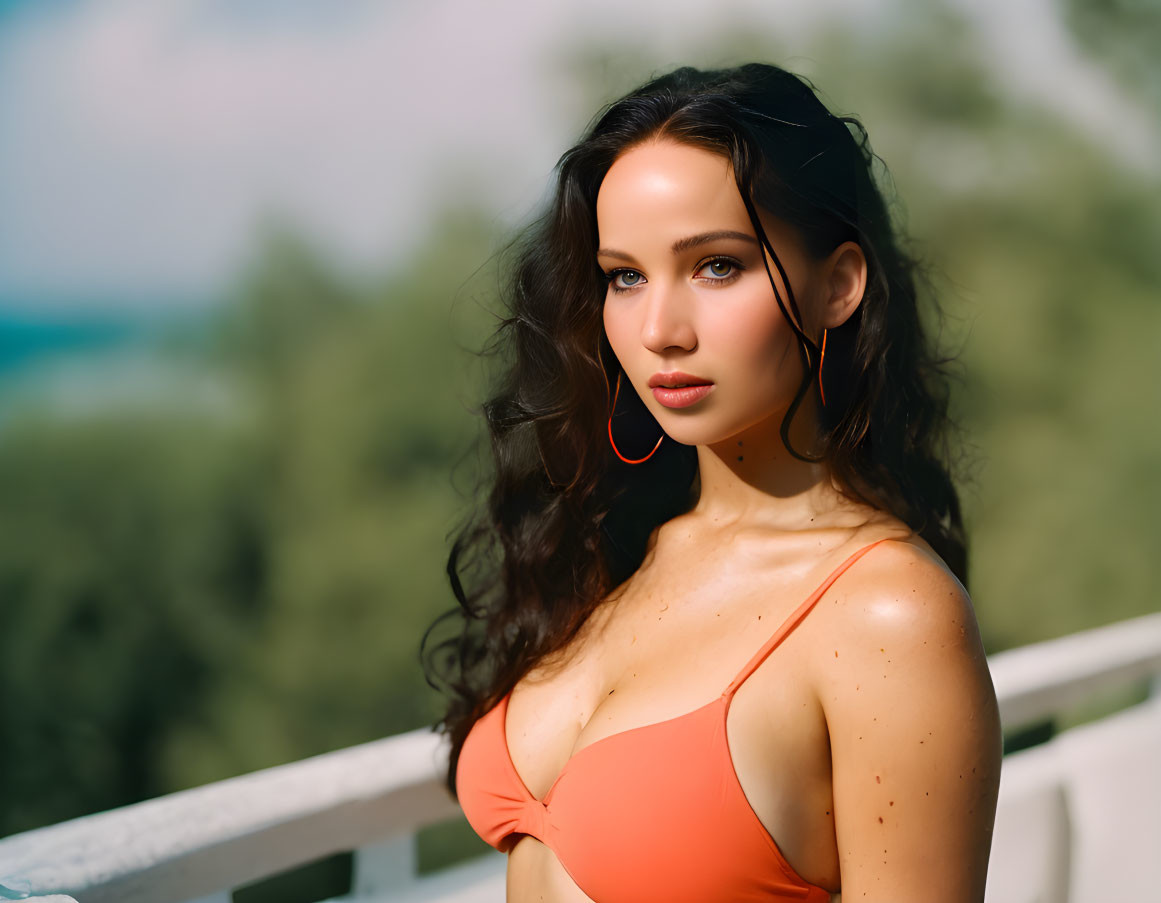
[{"x": 915, "y": 735}]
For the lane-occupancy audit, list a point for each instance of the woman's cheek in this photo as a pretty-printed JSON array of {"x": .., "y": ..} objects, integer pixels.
[
  {"x": 758, "y": 344},
  {"x": 619, "y": 333}
]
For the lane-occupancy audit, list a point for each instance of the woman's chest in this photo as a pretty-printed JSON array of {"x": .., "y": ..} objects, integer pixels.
[
  {"x": 666, "y": 645},
  {"x": 664, "y": 650}
]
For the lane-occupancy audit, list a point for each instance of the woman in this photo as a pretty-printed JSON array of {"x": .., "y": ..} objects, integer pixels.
[{"x": 717, "y": 465}]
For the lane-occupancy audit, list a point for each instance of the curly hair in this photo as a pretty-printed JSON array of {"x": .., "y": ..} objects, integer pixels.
[{"x": 561, "y": 520}]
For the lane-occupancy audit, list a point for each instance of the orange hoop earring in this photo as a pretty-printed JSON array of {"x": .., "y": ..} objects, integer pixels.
[
  {"x": 821, "y": 355},
  {"x": 616, "y": 393}
]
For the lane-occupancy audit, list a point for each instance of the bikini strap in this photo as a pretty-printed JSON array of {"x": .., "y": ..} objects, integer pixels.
[{"x": 796, "y": 618}]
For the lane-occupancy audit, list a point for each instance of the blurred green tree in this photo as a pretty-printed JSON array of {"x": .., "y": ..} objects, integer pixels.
[{"x": 130, "y": 563}]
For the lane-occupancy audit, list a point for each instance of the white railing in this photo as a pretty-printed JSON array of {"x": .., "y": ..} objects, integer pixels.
[
  {"x": 1065, "y": 807},
  {"x": 1079, "y": 817}
]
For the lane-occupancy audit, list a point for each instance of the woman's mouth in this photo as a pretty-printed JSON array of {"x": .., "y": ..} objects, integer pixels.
[{"x": 681, "y": 396}]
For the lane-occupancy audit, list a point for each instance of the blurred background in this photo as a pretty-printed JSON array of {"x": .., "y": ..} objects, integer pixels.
[{"x": 247, "y": 248}]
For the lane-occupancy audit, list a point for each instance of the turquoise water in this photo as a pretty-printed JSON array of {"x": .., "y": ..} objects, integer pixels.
[
  {"x": 69, "y": 363},
  {"x": 26, "y": 341}
]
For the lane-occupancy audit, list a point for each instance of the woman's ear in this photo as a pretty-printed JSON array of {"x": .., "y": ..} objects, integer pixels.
[{"x": 845, "y": 276}]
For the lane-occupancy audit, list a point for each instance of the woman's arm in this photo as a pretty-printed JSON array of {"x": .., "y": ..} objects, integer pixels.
[{"x": 915, "y": 734}]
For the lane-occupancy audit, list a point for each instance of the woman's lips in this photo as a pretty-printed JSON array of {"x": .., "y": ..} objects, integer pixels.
[{"x": 683, "y": 397}]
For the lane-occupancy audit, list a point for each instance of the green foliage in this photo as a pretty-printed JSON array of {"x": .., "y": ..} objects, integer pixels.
[
  {"x": 1125, "y": 35},
  {"x": 130, "y": 563},
  {"x": 360, "y": 405}
]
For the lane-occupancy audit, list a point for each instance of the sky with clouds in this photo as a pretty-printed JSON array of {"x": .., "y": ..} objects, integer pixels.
[{"x": 142, "y": 140}]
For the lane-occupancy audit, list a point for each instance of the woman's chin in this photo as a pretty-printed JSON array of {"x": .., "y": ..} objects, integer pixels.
[
  {"x": 685, "y": 434},
  {"x": 714, "y": 430}
]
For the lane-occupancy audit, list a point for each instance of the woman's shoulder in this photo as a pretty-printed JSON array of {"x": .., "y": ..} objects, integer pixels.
[
  {"x": 904, "y": 581},
  {"x": 902, "y": 604}
]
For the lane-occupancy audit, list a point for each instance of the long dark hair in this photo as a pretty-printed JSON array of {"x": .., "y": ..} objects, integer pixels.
[{"x": 561, "y": 520}]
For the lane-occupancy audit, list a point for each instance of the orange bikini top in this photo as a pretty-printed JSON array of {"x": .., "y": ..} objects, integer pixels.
[{"x": 651, "y": 813}]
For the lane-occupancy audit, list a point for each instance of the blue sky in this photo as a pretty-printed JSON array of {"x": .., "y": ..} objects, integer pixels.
[{"x": 141, "y": 141}]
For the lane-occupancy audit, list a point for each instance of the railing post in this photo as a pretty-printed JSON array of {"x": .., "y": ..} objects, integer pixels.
[{"x": 386, "y": 866}]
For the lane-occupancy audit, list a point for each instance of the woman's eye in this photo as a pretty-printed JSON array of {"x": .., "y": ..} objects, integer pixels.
[
  {"x": 721, "y": 269},
  {"x": 623, "y": 280}
]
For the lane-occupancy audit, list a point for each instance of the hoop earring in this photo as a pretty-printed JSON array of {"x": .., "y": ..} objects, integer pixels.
[
  {"x": 821, "y": 355},
  {"x": 616, "y": 393}
]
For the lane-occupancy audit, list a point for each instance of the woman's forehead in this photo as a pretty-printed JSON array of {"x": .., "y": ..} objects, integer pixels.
[
  {"x": 662, "y": 190},
  {"x": 677, "y": 187}
]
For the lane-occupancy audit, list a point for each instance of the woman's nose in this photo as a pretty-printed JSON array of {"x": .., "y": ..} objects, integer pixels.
[{"x": 668, "y": 321}]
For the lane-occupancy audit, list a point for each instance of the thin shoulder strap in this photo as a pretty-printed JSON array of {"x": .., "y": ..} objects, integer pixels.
[{"x": 795, "y": 618}]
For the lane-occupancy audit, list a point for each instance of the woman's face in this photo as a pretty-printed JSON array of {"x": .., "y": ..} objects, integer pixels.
[{"x": 688, "y": 292}]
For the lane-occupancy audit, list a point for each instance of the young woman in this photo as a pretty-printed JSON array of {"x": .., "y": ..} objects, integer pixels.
[{"x": 717, "y": 646}]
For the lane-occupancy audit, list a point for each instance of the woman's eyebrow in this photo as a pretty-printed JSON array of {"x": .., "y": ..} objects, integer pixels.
[{"x": 684, "y": 244}]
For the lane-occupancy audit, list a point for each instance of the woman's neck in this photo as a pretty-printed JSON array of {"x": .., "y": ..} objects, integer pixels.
[{"x": 752, "y": 480}]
